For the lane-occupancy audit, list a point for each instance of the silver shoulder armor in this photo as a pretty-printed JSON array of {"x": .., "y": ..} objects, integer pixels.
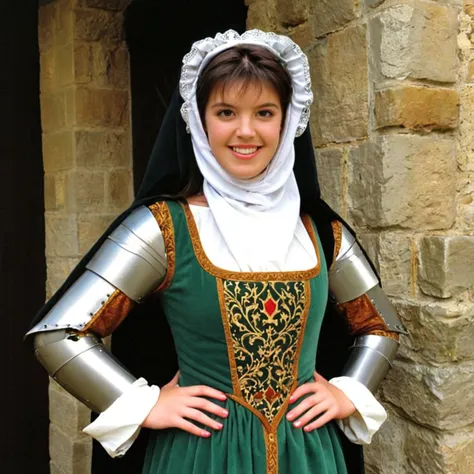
[
  {"x": 132, "y": 259},
  {"x": 351, "y": 275}
]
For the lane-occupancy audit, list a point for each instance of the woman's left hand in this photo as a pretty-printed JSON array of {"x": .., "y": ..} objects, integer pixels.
[{"x": 326, "y": 403}]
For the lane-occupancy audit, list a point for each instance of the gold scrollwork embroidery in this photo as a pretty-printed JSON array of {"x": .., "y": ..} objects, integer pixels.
[{"x": 264, "y": 322}]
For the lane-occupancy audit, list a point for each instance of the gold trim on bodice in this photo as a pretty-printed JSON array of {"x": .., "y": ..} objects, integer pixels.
[
  {"x": 162, "y": 214},
  {"x": 264, "y": 325},
  {"x": 209, "y": 267}
]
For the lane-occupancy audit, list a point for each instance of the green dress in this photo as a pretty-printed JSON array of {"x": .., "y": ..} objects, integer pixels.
[{"x": 253, "y": 336}]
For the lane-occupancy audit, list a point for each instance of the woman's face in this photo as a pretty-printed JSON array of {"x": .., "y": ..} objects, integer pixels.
[{"x": 243, "y": 127}]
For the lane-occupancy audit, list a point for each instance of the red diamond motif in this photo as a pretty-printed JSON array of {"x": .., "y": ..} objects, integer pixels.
[{"x": 270, "y": 306}]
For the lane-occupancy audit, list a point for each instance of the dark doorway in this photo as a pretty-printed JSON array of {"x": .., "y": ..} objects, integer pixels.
[
  {"x": 158, "y": 35},
  {"x": 24, "y": 390}
]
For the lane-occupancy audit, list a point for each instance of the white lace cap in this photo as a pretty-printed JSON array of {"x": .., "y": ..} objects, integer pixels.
[{"x": 283, "y": 47}]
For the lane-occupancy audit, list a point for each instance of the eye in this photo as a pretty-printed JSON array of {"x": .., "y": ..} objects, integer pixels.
[
  {"x": 225, "y": 113},
  {"x": 265, "y": 113}
]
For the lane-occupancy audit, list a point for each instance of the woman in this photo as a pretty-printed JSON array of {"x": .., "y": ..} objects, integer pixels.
[{"x": 239, "y": 258}]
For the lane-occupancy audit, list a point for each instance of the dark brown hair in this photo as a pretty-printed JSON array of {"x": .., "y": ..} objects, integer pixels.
[{"x": 245, "y": 64}]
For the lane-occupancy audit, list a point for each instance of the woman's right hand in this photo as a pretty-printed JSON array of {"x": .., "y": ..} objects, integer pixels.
[{"x": 176, "y": 405}]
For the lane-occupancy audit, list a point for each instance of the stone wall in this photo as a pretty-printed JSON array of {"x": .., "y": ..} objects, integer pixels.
[
  {"x": 392, "y": 126},
  {"x": 85, "y": 104}
]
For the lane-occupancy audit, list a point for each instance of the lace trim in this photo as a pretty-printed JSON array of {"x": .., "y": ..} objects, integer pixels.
[
  {"x": 282, "y": 46},
  {"x": 209, "y": 267}
]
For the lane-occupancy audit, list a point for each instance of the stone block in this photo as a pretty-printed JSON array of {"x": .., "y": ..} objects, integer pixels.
[
  {"x": 70, "y": 415},
  {"x": 61, "y": 236},
  {"x": 101, "y": 107},
  {"x": 64, "y": 65},
  {"x": 58, "y": 269},
  {"x": 111, "y": 66},
  {"x": 90, "y": 228},
  {"x": 53, "y": 112},
  {"x": 403, "y": 180},
  {"x": 97, "y": 25},
  {"x": 302, "y": 35},
  {"x": 432, "y": 451},
  {"x": 83, "y": 63},
  {"x": 50, "y": 200},
  {"x": 64, "y": 22},
  {"x": 339, "y": 74},
  {"x": 469, "y": 7},
  {"x": 103, "y": 149},
  {"x": 58, "y": 151},
  {"x": 394, "y": 262},
  {"x": 417, "y": 41},
  {"x": 120, "y": 189},
  {"x": 373, "y": 3},
  {"x": 417, "y": 108},
  {"x": 332, "y": 15},
  {"x": 261, "y": 14},
  {"x": 68, "y": 455},
  {"x": 46, "y": 26},
  {"x": 465, "y": 203},
  {"x": 438, "y": 397},
  {"x": 85, "y": 191},
  {"x": 47, "y": 72},
  {"x": 465, "y": 155},
  {"x": 386, "y": 454},
  {"x": 330, "y": 163},
  {"x": 440, "y": 333},
  {"x": 445, "y": 265},
  {"x": 112, "y": 5},
  {"x": 292, "y": 13}
]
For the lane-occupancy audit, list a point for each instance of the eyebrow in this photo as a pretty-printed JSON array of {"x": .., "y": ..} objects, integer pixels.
[{"x": 224, "y": 104}]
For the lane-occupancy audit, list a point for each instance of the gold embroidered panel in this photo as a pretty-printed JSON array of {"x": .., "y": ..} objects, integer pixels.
[{"x": 264, "y": 324}]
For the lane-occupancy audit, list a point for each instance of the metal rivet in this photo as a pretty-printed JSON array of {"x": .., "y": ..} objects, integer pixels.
[
  {"x": 108, "y": 296},
  {"x": 102, "y": 302},
  {"x": 45, "y": 326},
  {"x": 91, "y": 314}
]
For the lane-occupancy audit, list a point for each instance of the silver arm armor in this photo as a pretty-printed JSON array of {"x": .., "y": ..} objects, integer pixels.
[
  {"x": 351, "y": 277},
  {"x": 132, "y": 260}
]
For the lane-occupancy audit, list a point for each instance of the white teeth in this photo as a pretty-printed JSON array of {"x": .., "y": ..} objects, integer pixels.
[{"x": 245, "y": 151}]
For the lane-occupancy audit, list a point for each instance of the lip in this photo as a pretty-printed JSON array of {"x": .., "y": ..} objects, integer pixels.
[{"x": 241, "y": 156}]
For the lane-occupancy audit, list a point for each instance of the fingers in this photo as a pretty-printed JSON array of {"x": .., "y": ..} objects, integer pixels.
[
  {"x": 321, "y": 421},
  {"x": 205, "y": 391},
  {"x": 311, "y": 414},
  {"x": 305, "y": 405},
  {"x": 206, "y": 405},
  {"x": 185, "y": 425},
  {"x": 200, "y": 417},
  {"x": 303, "y": 390}
]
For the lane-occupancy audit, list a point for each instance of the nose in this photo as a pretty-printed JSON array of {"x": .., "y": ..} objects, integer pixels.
[{"x": 245, "y": 128}]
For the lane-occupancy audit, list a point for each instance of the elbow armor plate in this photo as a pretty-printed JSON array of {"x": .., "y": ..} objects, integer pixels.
[
  {"x": 132, "y": 260},
  {"x": 351, "y": 277}
]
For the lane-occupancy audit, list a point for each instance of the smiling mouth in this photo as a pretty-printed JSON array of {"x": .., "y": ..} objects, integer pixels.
[{"x": 245, "y": 152}]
